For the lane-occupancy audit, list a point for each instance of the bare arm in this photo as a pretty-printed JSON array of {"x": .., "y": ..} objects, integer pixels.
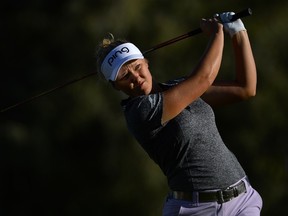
[
  {"x": 244, "y": 85},
  {"x": 177, "y": 98}
]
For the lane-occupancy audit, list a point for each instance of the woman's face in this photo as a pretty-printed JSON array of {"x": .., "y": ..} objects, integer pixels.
[{"x": 134, "y": 78}]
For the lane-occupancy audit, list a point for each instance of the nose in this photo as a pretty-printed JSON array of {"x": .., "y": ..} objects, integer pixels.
[
  {"x": 135, "y": 79},
  {"x": 134, "y": 76}
]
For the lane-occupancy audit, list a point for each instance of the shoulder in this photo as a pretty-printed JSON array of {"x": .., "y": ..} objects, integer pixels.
[
  {"x": 172, "y": 83},
  {"x": 147, "y": 107},
  {"x": 149, "y": 101},
  {"x": 143, "y": 115},
  {"x": 142, "y": 105}
]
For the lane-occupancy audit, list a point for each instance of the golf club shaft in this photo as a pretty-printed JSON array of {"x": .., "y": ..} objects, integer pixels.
[
  {"x": 47, "y": 92},
  {"x": 243, "y": 13}
]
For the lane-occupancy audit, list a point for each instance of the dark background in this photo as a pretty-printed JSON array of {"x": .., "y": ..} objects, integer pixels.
[{"x": 69, "y": 153}]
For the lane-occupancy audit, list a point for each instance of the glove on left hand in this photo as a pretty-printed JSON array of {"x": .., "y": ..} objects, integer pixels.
[{"x": 231, "y": 27}]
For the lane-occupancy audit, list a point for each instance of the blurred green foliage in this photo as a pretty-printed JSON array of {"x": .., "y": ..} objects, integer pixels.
[{"x": 69, "y": 153}]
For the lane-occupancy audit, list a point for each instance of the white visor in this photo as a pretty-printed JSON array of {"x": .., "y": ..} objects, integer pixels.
[{"x": 117, "y": 57}]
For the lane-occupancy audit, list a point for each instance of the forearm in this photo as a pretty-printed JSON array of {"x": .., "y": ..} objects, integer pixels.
[
  {"x": 244, "y": 84},
  {"x": 245, "y": 67},
  {"x": 210, "y": 62},
  {"x": 205, "y": 72},
  {"x": 180, "y": 96}
]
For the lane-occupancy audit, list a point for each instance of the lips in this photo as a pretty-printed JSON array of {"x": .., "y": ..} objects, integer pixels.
[
  {"x": 137, "y": 85},
  {"x": 140, "y": 85}
]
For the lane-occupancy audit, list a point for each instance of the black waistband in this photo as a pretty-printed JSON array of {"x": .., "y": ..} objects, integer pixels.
[{"x": 220, "y": 196}]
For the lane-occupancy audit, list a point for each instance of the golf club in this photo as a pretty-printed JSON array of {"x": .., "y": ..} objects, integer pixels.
[{"x": 243, "y": 13}]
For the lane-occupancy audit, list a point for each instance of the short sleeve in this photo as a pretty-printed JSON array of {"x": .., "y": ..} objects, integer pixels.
[{"x": 143, "y": 115}]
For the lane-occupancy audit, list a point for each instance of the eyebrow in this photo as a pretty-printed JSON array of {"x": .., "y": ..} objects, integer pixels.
[{"x": 132, "y": 63}]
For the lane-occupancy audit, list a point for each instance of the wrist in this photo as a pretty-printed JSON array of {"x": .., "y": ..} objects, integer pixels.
[
  {"x": 234, "y": 27},
  {"x": 239, "y": 37}
]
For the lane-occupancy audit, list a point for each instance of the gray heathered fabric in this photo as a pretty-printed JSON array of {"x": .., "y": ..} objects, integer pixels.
[{"x": 188, "y": 149}]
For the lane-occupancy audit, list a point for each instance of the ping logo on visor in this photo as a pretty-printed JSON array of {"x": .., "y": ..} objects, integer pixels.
[{"x": 117, "y": 57}]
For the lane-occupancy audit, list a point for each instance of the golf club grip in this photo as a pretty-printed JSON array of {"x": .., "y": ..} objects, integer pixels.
[{"x": 244, "y": 13}]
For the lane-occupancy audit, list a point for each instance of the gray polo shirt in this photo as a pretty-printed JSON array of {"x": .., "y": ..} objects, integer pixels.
[{"x": 188, "y": 149}]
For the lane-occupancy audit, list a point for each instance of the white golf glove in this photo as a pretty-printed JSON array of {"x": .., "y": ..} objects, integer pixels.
[{"x": 231, "y": 27}]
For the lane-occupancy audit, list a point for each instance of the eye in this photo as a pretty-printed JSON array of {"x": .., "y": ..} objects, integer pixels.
[
  {"x": 138, "y": 67},
  {"x": 125, "y": 76}
]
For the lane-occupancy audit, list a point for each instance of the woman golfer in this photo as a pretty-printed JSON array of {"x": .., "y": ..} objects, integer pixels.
[{"x": 175, "y": 124}]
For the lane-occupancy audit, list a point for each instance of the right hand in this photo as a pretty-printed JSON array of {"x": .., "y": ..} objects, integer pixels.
[{"x": 210, "y": 26}]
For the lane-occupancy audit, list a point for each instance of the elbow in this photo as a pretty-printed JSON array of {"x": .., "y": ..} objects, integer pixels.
[
  {"x": 251, "y": 90},
  {"x": 248, "y": 93},
  {"x": 247, "y": 89},
  {"x": 253, "y": 93}
]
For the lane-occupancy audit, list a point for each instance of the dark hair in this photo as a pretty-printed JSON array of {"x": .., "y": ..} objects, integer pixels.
[{"x": 104, "y": 48}]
